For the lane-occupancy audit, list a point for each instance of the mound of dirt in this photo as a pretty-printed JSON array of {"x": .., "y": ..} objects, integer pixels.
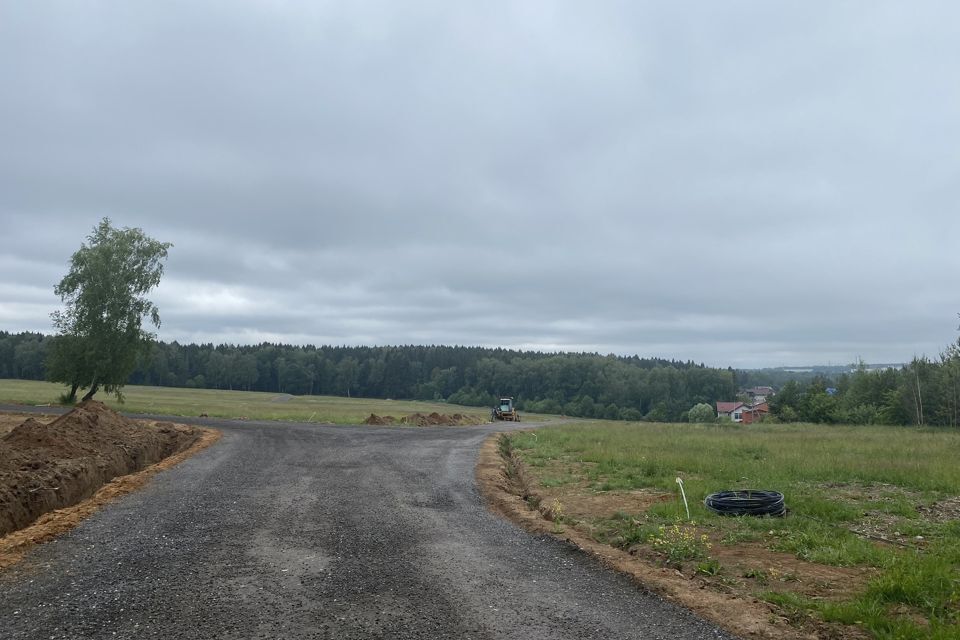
[
  {"x": 49, "y": 466},
  {"x": 425, "y": 420}
]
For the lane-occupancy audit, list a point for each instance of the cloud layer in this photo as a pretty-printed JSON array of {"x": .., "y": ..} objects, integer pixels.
[{"x": 742, "y": 184}]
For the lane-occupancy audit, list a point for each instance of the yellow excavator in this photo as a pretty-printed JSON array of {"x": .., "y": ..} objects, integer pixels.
[{"x": 505, "y": 411}]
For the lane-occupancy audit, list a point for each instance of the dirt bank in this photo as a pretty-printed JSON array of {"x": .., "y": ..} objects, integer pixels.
[
  {"x": 425, "y": 420},
  {"x": 739, "y": 613},
  {"x": 44, "y": 467}
]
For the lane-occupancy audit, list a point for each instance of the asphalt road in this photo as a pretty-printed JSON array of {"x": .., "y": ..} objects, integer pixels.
[{"x": 306, "y": 531}]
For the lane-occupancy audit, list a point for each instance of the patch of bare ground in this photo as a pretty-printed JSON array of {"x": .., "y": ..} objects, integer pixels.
[
  {"x": 727, "y": 600},
  {"x": 884, "y": 527},
  {"x": 425, "y": 420},
  {"x": 942, "y": 510},
  {"x": 756, "y": 566},
  {"x": 874, "y": 492},
  {"x": 54, "y": 475},
  {"x": 583, "y": 503}
]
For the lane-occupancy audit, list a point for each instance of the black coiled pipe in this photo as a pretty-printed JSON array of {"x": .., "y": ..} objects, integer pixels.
[{"x": 746, "y": 503}]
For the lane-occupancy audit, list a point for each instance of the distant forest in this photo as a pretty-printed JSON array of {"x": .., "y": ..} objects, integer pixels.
[
  {"x": 583, "y": 385},
  {"x": 923, "y": 392}
]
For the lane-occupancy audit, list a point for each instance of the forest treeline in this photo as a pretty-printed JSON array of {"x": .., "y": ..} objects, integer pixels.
[
  {"x": 925, "y": 392},
  {"x": 583, "y": 385}
]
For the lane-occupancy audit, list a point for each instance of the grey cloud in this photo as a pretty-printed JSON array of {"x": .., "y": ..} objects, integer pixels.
[{"x": 740, "y": 184}]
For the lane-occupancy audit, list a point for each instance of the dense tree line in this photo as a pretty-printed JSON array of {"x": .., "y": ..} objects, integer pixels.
[
  {"x": 923, "y": 392},
  {"x": 587, "y": 385}
]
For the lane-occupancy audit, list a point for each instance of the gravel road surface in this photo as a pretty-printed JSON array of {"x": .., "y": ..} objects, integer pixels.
[{"x": 306, "y": 531}]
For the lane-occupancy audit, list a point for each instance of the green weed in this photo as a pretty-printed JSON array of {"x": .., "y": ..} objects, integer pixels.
[
  {"x": 624, "y": 530},
  {"x": 760, "y": 575},
  {"x": 739, "y": 536},
  {"x": 709, "y": 567},
  {"x": 680, "y": 542}
]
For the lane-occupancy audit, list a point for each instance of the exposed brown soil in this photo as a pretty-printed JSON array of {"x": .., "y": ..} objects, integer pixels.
[
  {"x": 756, "y": 566},
  {"x": 581, "y": 503},
  {"x": 942, "y": 511},
  {"x": 749, "y": 564},
  {"x": 728, "y": 602},
  {"x": 50, "y": 525},
  {"x": 44, "y": 467},
  {"x": 10, "y": 420},
  {"x": 425, "y": 420},
  {"x": 882, "y": 526}
]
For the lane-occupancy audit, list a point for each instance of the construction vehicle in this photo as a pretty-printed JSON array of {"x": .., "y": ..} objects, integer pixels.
[{"x": 505, "y": 411}]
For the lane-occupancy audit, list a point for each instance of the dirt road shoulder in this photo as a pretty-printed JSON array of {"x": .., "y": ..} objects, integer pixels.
[{"x": 746, "y": 618}]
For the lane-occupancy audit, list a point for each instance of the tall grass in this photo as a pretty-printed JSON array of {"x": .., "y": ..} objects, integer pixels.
[
  {"x": 830, "y": 476},
  {"x": 710, "y": 457}
]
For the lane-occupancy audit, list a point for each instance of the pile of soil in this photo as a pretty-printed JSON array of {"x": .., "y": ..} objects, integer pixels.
[
  {"x": 44, "y": 467},
  {"x": 424, "y": 420}
]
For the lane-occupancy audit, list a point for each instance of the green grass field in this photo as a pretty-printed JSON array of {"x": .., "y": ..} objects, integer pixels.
[
  {"x": 846, "y": 487},
  {"x": 236, "y": 404}
]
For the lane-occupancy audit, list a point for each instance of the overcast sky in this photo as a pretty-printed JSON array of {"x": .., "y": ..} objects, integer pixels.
[{"x": 737, "y": 183}]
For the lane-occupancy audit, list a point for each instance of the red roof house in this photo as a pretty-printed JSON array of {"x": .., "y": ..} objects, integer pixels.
[
  {"x": 730, "y": 410},
  {"x": 740, "y": 412},
  {"x": 753, "y": 413}
]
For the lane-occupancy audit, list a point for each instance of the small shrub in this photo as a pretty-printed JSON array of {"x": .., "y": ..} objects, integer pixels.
[
  {"x": 555, "y": 512},
  {"x": 623, "y": 531},
  {"x": 760, "y": 575},
  {"x": 709, "y": 567},
  {"x": 702, "y": 413},
  {"x": 680, "y": 543}
]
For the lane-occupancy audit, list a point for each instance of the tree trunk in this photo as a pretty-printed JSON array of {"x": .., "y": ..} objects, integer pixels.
[
  {"x": 73, "y": 393},
  {"x": 93, "y": 389},
  {"x": 919, "y": 400}
]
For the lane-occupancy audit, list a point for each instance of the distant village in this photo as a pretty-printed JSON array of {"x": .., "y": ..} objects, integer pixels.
[{"x": 751, "y": 408}]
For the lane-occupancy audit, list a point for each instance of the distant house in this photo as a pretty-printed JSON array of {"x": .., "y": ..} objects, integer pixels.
[
  {"x": 758, "y": 395},
  {"x": 730, "y": 410},
  {"x": 740, "y": 412},
  {"x": 754, "y": 412}
]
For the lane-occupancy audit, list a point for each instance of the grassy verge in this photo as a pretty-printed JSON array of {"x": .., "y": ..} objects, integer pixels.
[
  {"x": 238, "y": 404},
  {"x": 872, "y": 538}
]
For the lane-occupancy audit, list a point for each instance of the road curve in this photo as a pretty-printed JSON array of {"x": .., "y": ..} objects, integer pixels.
[{"x": 288, "y": 530}]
